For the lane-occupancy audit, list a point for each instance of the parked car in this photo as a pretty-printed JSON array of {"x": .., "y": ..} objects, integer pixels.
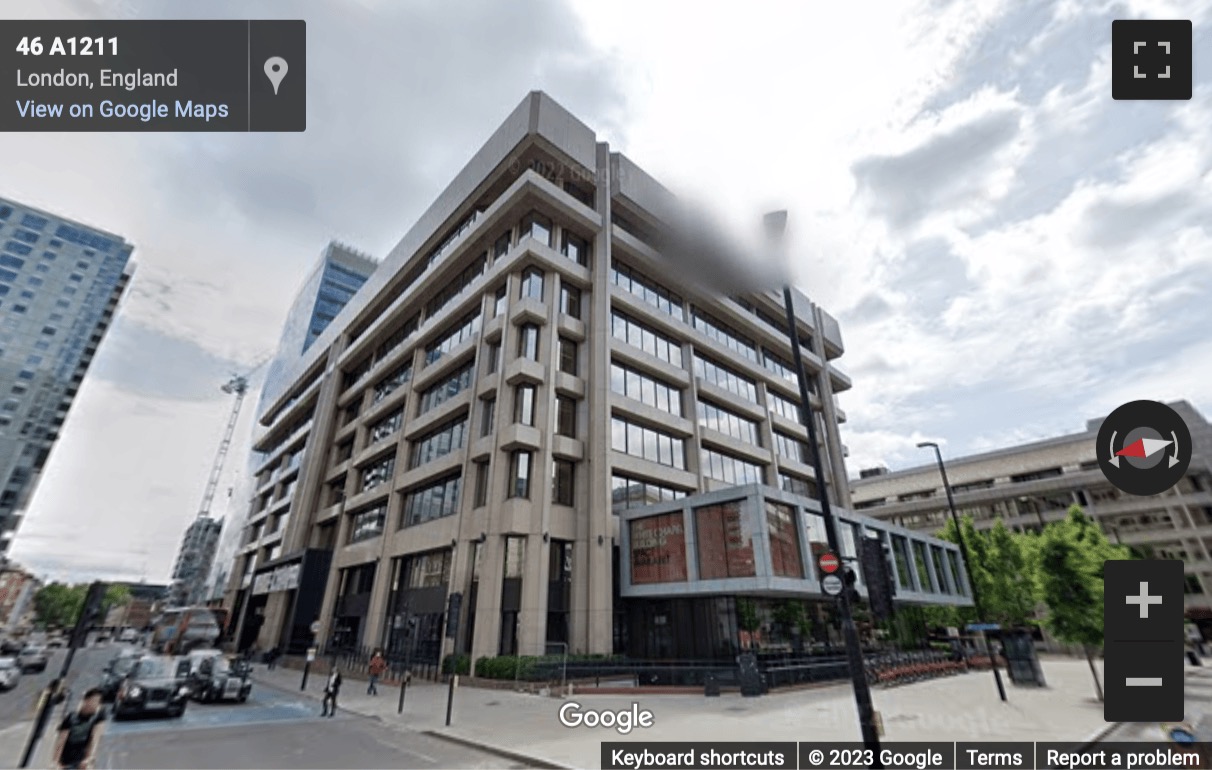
[
  {"x": 128, "y": 635},
  {"x": 58, "y": 641},
  {"x": 10, "y": 673},
  {"x": 32, "y": 659},
  {"x": 11, "y": 646},
  {"x": 217, "y": 678},
  {"x": 116, "y": 671},
  {"x": 156, "y": 684}
]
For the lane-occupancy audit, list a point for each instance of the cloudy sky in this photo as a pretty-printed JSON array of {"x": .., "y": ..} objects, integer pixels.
[{"x": 1009, "y": 251}]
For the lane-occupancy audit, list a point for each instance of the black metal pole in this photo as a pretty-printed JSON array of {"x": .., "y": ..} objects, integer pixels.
[
  {"x": 854, "y": 651},
  {"x": 959, "y": 538},
  {"x": 306, "y": 671},
  {"x": 454, "y": 678},
  {"x": 403, "y": 689}
]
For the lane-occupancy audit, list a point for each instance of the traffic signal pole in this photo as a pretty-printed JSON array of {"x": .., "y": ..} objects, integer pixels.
[
  {"x": 854, "y": 650},
  {"x": 89, "y": 612}
]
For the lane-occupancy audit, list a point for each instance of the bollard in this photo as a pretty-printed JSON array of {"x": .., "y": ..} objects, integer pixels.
[
  {"x": 454, "y": 682},
  {"x": 306, "y": 668},
  {"x": 403, "y": 689}
]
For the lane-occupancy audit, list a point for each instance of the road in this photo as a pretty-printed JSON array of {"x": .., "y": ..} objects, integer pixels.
[{"x": 274, "y": 729}]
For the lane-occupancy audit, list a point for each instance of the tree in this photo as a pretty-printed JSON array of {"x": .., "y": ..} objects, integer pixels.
[
  {"x": 1069, "y": 571},
  {"x": 747, "y": 618},
  {"x": 58, "y": 604},
  {"x": 116, "y": 595},
  {"x": 1012, "y": 595}
]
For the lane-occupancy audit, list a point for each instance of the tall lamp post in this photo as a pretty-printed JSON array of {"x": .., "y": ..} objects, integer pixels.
[
  {"x": 959, "y": 536},
  {"x": 776, "y": 223}
]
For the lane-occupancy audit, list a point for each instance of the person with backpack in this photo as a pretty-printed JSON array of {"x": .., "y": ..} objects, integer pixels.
[
  {"x": 80, "y": 733},
  {"x": 331, "y": 688},
  {"x": 378, "y": 664}
]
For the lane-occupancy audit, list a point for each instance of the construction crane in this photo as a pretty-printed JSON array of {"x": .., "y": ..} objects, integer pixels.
[{"x": 201, "y": 538}]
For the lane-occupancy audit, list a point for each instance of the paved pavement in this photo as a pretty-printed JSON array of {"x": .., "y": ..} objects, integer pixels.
[{"x": 964, "y": 707}]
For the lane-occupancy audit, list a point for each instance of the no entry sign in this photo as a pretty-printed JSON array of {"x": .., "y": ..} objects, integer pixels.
[{"x": 829, "y": 563}]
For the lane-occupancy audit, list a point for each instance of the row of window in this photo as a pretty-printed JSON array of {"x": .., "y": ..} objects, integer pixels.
[
  {"x": 648, "y": 290},
  {"x": 648, "y": 390},
  {"x": 723, "y": 377},
  {"x": 463, "y": 331},
  {"x": 443, "y": 391},
  {"x": 636, "y": 334},
  {"x": 723, "y": 334},
  {"x": 647, "y": 443},
  {"x": 439, "y": 442},
  {"x": 729, "y": 423},
  {"x": 389, "y": 384}
]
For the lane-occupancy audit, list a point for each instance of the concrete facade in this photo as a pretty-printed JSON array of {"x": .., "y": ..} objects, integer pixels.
[
  {"x": 1030, "y": 485},
  {"x": 533, "y": 269}
]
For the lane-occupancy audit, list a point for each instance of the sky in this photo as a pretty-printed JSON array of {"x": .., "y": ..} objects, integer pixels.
[{"x": 1009, "y": 251}]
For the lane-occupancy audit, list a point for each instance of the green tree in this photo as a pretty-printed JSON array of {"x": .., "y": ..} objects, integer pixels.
[
  {"x": 1012, "y": 596},
  {"x": 747, "y": 618},
  {"x": 116, "y": 595},
  {"x": 58, "y": 604},
  {"x": 1069, "y": 570}
]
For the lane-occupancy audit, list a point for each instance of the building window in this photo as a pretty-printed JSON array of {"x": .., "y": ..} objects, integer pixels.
[
  {"x": 377, "y": 473},
  {"x": 563, "y": 475},
  {"x": 488, "y": 413},
  {"x": 538, "y": 227},
  {"x": 791, "y": 448},
  {"x": 647, "y": 390},
  {"x": 778, "y": 365},
  {"x": 501, "y": 247},
  {"x": 481, "y": 498},
  {"x": 499, "y": 301},
  {"x": 731, "y": 470},
  {"x": 784, "y": 407},
  {"x": 723, "y": 377},
  {"x": 650, "y": 291},
  {"x": 463, "y": 330},
  {"x": 729, "y": 423},
  {"x": 532, "y": 284},
  {"x": 627, "y": 492},
  {"x": 570, "y": 301},
  {"x": 640, "y": 336},
  {"x": 528, "y": 342},
  {"x": 391, "y": 382},
  {"x": 519, "y": 473},
  {"x": 789, "y": 482},
  {"x": 439, "y": 442},
  {"x": 8, "y": 260},
  {"x": 445, "y": 390},
  {"x": 723, "y": 334},
  {"x": 492, "y": 356},
  {"x": 725, "y": 548},
  {"x": 785, "y": 554},
  {"x": 566, "y": 417},
  {"x": 435, "y": 501},
  {"x": 523, "y": 404},
  {"x": 647, "y": 443},
  {"x": 575, "y": 248},
  {"x": 367, "y": 523},
  {"x": 387, "y": 426},
  {"x": 568, "y": 356},
  {"x": 344, "y": 451}
]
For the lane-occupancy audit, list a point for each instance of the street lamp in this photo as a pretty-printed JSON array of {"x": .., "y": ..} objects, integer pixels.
[
  {"x": 775, "y": 225},
  {"x": 959, "y": 536}
]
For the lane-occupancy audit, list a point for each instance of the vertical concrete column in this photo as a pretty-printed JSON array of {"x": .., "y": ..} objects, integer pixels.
[
  {"x": 830, "y": 437},
  {"x": 488, "y": 601},
  {"x": 332, "y": 585}
]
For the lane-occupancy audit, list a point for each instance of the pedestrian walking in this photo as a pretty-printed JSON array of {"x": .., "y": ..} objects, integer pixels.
[
  {"x": 378, "y": 664},
  {"x": 331, "y": 688},
  {"x": 80, "y": 733}
]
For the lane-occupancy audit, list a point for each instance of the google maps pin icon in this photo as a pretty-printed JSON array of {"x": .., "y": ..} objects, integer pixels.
[{"x": 275, "y": 70}]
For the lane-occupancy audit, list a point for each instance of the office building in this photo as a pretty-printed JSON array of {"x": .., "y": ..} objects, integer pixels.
[
  {"x": 1030, "y": 485},
  {"x": 330, "y": 284},
  {"x": 522, "y": 379},
  {"x": 60, "y": 282}
]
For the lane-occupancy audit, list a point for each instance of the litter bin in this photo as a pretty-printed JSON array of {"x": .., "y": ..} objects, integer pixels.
[{"x": 1021, "y": 661}]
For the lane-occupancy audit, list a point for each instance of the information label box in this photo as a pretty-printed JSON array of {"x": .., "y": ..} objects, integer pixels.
[{"x": 139, "y": 75}]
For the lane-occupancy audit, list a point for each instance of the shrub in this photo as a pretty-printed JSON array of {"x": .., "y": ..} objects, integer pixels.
[{"x": 456, "y": 664}]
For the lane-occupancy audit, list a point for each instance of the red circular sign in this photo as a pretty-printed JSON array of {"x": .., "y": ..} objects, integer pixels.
[{"x": 829, "y": 563}]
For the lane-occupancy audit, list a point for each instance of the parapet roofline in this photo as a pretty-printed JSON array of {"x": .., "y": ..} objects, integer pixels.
[{"x": 536, "y": 116}]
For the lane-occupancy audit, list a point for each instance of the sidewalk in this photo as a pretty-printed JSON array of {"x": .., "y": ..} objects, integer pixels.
[{"x": 963, "y": 707}]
